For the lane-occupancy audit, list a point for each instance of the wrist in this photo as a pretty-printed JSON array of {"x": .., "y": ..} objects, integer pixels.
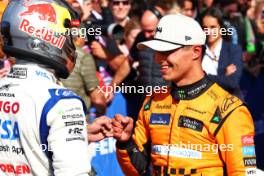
[{"x": 124, "y": 145}]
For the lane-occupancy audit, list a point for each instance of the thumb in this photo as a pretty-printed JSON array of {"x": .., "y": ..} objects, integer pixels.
[
  {"x": 125, "y": 120},
  {"x": 129, "y": 124}
]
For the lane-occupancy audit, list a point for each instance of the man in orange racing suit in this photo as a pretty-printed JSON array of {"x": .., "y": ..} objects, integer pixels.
[{"x": 196, "y": 128}]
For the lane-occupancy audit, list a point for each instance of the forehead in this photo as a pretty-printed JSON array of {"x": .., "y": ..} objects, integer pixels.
[{"x": 209, "y": 20}]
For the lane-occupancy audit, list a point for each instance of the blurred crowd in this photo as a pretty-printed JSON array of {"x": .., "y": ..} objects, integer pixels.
[{"x": 108, "y": 55}]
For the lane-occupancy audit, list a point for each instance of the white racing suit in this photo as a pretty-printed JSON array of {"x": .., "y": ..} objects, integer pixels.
[{"x": 42, "y": 126}]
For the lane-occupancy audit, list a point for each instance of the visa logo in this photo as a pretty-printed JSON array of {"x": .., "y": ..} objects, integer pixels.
[
  {"x": 8, "y": 130},
  {"x": 42, "y": 74}
]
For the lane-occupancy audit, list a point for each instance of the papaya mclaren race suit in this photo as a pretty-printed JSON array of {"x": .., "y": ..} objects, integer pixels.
[
  {"x": 195, "y": 130},
  {"x": 42, "y": 126}
]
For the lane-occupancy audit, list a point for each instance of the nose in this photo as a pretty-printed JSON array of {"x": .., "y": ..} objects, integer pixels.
[{"x": 159, "y": 58}]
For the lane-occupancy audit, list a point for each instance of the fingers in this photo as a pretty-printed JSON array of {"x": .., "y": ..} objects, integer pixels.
[
  {"x": 3, "y": 72},
  {"x": 107, "y": 132},
  {"x": 95, "y": 137},
  {"x": 103, "y": 120},
  {"x": 119, "y": 127},
  {"x": 96, "y": 45},
  {"x": 230, "y": 69},
  {"x": 129, "y": 126},
  {"x": 109, "y": 97}
]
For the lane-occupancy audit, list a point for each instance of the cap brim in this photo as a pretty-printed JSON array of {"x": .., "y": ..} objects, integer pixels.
[{"x": 158, "y": 45}]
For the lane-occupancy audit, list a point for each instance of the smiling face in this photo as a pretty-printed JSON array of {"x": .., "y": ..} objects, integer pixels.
[
  {"x": 213, "y": 29},
  {"x": 179, "y": 65}
]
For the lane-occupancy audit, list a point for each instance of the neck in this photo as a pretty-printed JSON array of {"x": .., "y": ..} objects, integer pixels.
[
  {"x": 121, "y": 22},
  {"x": 191, "y": 77},
  {"x": 191, "y": 91},
  {"x": 213, "y": 45}
]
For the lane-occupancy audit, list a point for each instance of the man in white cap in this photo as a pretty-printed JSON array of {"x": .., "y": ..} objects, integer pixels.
[{"x": 196, "y": 128}]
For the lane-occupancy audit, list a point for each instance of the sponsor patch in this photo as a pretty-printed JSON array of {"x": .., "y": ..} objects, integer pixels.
[
  {"x": 73, "y": 123},
  {"x": 247, "y": 140},
  {"x": 176, "y": 152},
  {"x": 164, "y": 106},
  {"x": 7, "y": 86},
  {"x": 251, "y": 172},
  {"x": 4, "y": 148},
  {"x": 187, "y": 122},
  {"x": 195, "y": 110},
  {"x": 42, "y": 74},
  {"x": 250, "y": 161},
  {"x": 160, "y": 119},
  {"x": 7, "y": 95},
  {"x": 11, "y": 169},
  {"x": 228, "y": 102},
  {"x": 248, "y": 151},
  {"x": 18, "y": 73}
]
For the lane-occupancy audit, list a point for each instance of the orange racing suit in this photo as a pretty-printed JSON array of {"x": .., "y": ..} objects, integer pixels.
[{"x": 195, "y": 130}]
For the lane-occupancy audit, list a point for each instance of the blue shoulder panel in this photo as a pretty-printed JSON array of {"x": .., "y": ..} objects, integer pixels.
[{"x": 55, "y": 96}]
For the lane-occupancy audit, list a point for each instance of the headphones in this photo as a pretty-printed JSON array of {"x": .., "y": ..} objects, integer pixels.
[{"x": 155, "y": 11}]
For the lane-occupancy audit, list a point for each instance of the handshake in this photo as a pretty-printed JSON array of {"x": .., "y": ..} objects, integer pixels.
[{"x": 119, "y": 127}]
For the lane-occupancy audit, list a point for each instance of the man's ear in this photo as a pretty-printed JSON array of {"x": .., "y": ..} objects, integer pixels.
[{"x": 197, "y": 52}]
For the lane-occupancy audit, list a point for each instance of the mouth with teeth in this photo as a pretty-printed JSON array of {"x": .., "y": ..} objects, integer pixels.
[{"x": 165, "y": 68}]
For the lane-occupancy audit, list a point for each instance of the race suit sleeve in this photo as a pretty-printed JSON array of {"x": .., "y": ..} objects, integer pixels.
[
  {"x": 134, "y": 155},
  {"x": 237, "y": 132},
  {"x": 67, "y": 138}
]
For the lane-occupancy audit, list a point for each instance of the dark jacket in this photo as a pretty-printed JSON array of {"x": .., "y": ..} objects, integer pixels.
[
  {"x": 230, "y": 54},
  {"x": 149, "y": 71}
]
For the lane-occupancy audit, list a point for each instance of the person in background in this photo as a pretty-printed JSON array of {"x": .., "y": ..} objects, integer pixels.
[
  {"x": 187, "y": 7},
  {"x": 127, "y": 71},
  {"x": 255, "y": 45},
  {"x": 84, "y": 82},
  {"x": 148, "y": 71},
  {"x": 222, "y": 60}
]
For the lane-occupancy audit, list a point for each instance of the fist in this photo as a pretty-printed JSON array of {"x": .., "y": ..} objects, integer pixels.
[{"x": 122, "y": 127}]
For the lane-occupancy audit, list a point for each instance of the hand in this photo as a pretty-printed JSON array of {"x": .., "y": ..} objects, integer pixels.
[
  {"x": 87, "y": 9},
  {"x": 99, "y": 101},
  {"x": 104, "y": 3},
  {"x": 230, "y": 69},
  {"x": 98, "y": 50},
  {"x": 3, "y": 72},
  {"x": 122, "y": 127},
  {"x": 109, "y": 96},
  {"x": 101, "y": 128}
]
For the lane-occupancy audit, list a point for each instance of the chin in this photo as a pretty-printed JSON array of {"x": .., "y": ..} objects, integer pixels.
[{"x": 167, "y": 78}]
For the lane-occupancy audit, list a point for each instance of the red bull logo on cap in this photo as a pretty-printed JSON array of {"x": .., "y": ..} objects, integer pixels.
[{"x": 46, "y": 22}]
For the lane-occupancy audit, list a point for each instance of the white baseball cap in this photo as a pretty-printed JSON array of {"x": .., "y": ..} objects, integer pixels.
[{"x": 174, "y": 31}]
